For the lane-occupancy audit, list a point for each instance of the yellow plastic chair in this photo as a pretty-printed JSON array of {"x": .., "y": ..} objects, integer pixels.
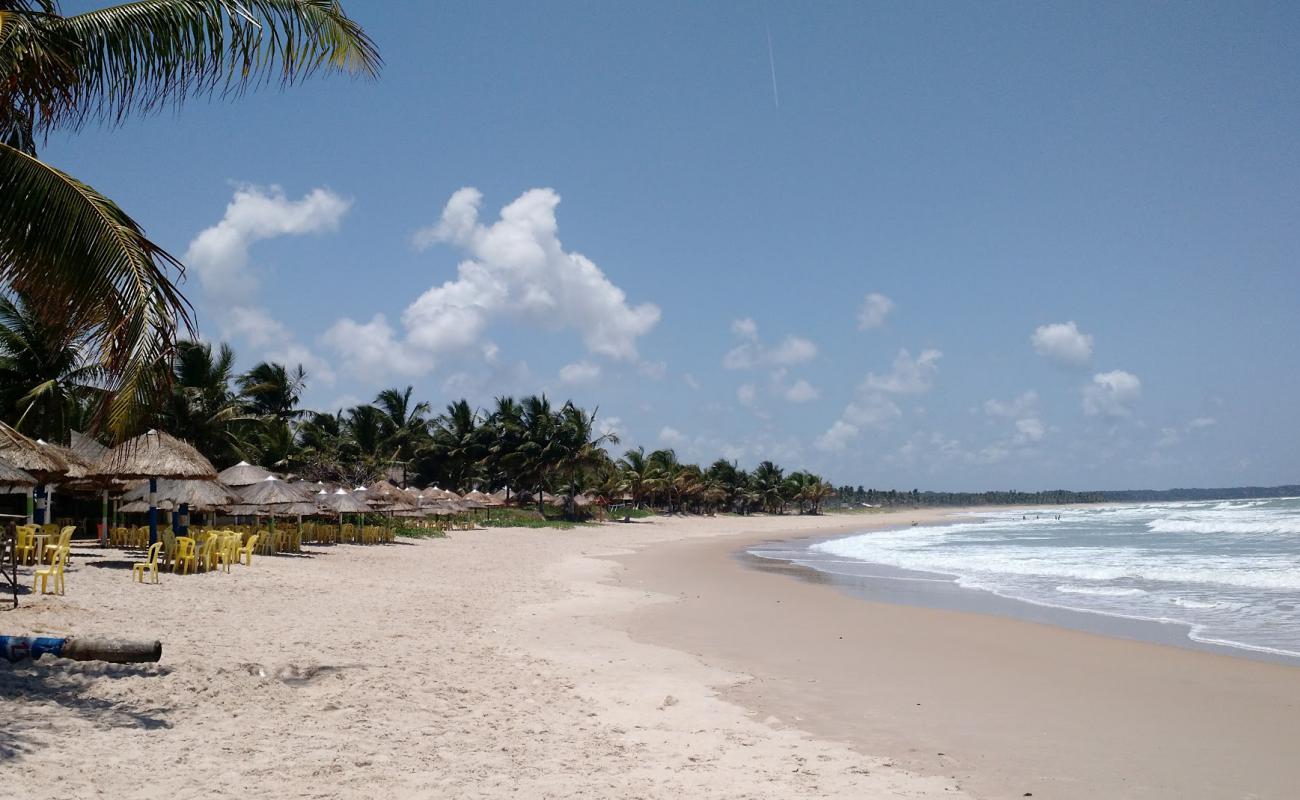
[
  {"x": 64, "y": 543},
  {"x": 227, "y": 549},
  {"x": 244, "y": 555},
  {"x": 54, "y": 570},
  {"x": 186, "y": 560},
  {"x": 207, "y": 553},
  {"x": 25, "y": 544},
  {"x": 151, "y": 566}
]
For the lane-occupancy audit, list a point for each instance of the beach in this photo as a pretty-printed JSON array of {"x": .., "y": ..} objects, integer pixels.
[{"x": 621, "y": 660}]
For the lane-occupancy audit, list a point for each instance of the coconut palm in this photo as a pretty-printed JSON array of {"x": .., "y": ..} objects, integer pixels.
[
  {"x": 635, "y": 475},
  {"x": 72, "y": 249},
  {"x": 44, "y": 375},
  {"x": 202, "y": 409},
  {"x": 405, "y": 427},
  {"x": 273, "y": 390},
  {"x": 456, "y": 445},
  {"x": 580, "y": 449}
]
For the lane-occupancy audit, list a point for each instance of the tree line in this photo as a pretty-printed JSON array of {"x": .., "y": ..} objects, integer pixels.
[{"x": 527, "y": 445}]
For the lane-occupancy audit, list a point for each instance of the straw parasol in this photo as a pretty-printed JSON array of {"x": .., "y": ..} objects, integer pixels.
[
  {"x": 155, "y": 455},
  {"x": 342, "y": 501},
  {"x": 243, "y": 474},
  {"x": 43, "y": 463},
  {"x": 270, "y": 491},
  {"x": 501, "y": 496},
  {"x": 11, "y": 476},
  {"x": 142, "y": 506},
  {"x": 196, "y": 494},
  {"x": 478, "y": 497}
]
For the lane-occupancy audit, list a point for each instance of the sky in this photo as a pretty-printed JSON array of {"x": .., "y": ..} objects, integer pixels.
[{"x": 936, "y": 246}]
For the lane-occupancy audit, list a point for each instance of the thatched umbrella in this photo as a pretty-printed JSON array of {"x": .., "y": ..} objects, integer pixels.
[
  {"x": 204, "y": 495},
  {"x": 41, "y": 463},
  {"x": 141, "y": 506},
  {"x": 90, "y": 452},
  {"x": 243, "y": 474},
  {"x": 11, "y": 476},
  {"x": 273, "y": 494},
  {"x": 155, "y": 455},
  {"x": 501, "y": 496},
  {"x": 343, "y": 502}
]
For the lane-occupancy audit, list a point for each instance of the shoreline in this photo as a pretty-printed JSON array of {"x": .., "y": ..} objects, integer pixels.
[
  {"x": 1001, "y": 706},
  {"x": 872, "y": 582}
]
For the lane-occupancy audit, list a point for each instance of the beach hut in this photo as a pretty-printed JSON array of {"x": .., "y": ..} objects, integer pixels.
[
  {"x": 42, "y": 463},
  {"x": 243, "y": 474},
  {"x": 155, "y": 455}
]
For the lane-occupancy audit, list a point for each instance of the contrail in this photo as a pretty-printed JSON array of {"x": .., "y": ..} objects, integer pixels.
[{"x": 771, "y": 60}]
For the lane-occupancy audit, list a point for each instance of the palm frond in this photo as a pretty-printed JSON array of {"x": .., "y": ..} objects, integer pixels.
[
  {"x": 154, "y": 54},
  {"x": 65, "y": 245}
]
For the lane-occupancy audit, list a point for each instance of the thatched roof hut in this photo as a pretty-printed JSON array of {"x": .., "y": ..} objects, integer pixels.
[
  {"x": 90, "y": 450},
  {"x": 243, "y": 474},
  {"x": 78, "y": 466},
  {"x": 42, "y": 463},
  {"x": 155, "y": 455},
  {"x": 11, "y": 476}
]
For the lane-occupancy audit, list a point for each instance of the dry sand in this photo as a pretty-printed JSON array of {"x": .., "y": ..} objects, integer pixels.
[
  {"x": 471, "y": 667},
  {"x": 499, "y": 663}
]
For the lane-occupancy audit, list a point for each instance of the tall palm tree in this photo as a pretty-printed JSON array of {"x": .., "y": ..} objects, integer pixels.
[
  {"x": 500, "y": 437},
  {"x": 635, "y": 473},
  {"x": 72, "y": 248},
  {"x": 44, "y": 374},
  {"x": 405, "y": 427},
  {"x": 202, "y": 408},
  {"x": 580, "y": 449},
  {"x": 274, "y": 390}
]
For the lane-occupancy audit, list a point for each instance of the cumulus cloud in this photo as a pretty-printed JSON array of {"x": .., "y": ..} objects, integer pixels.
[
  {"x": 372, "y": 348},
  {"x": 909, "y": 375},
  {"x": 875, "y": 307},
  {"x": 579, "y": 372},
  {"x": 751, "y": 353},
  {"x": 517, "y": 269},
  {"x": 654, "y": 370},
  {"x": 219, "y": 254},
  {"x": 801, "y": 391},
  {"x": 1111, "y": 394},
  {"x": 220, "y": 257},
  {"x": 1063, "y": 343},
  {"x": 673, "y": 437}
]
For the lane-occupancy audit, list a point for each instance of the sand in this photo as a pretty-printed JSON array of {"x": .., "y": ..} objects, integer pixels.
[
  {"x": 471, "y": 667},
  {"x": 537, "y": 664}
]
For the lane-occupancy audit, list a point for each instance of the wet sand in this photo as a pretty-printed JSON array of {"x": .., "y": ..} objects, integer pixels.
[{"x": 1003, "y": 707}]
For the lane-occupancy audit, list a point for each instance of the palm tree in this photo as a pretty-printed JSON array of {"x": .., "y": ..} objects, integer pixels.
[
  {"x": 500, "y": 436},
  {"x": 580, "y": 449},
  {"x": 456, "y": 444},
  {"x": 635, "y": 475},
  {"x": 44, "y": 375},
  {"x": 72, "y": 249},
  {"x": 273, "y": 390},
  {"x": 202, "y": 408}
]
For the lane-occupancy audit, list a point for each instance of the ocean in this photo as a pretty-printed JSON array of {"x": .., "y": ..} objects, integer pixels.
[{"x": 1226, "y": 571}]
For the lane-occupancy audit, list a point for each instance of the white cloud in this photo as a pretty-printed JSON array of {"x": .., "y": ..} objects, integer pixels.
[
  {"x": 908, "y": 376},
  {"x": 372, "y": 348},
  {"x": 516, "y": 269},
  {"x": 871, "y": 410},
  {"x": 1022, "y": 406},
  {"x": 1029, "y": 429},
  {"x": 579, "y": 372},
  {"x": 219, "y": 255},
  {"x": 875, "y": 307},
  {"x": 673, "y": 437},
  {"x": 610, "y": 425},
  {"x": 1064, "y": 343},
  {"x": 1202, "y": 422},
  {"x": 752, "y": 353},
  {"x": 801, "y": 391},
  {"x": 837, "y": 437},
  {"x": 1111, "y": 394},
  {"x": 691, "y": 381},
  {"x": 747, "y": 394},
  {"x": 1172, "y": 436}
]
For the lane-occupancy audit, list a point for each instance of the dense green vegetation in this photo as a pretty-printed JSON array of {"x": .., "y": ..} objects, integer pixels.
[{"x": 528, "y": 446}]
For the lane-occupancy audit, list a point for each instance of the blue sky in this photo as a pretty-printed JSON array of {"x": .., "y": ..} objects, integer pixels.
[{"x": 1077, "y": 226}]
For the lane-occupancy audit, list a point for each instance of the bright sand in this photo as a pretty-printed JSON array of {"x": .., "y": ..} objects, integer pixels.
[{"x": 498, "y": 663}]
